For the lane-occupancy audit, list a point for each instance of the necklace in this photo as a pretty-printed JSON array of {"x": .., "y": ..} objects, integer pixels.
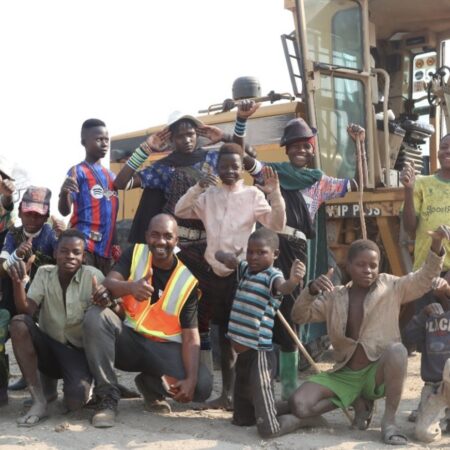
[{"x": 100, "y": 190}]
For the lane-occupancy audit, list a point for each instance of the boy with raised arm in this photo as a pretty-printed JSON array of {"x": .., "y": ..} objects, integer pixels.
[
  {"x": 362, "y": 320},
  {"x": 229, "y": 214},
  {"x": 304, "y": 190},
  {"x": 89, "y": 188},
  {"x": 258, "y": 297}
]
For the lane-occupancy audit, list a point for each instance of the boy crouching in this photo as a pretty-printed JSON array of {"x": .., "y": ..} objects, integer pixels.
[{"x": 362, "y": 320}]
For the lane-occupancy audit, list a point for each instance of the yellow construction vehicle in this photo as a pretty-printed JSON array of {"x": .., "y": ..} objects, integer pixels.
[{"x": 378, "y": 63}]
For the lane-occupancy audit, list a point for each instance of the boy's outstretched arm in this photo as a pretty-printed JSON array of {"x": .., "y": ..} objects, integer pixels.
[
  {"x": 437, "y": 236},
  {"x": 415, "y": 284},
  {"x": 408, "y": 178},
  {"x": 285, "y": 287},
  {"x": 127, "y": 177},
  {"x": 273, "y": 217},
  {"x": 356, "y": 132},
  {"x": 246, "y": 108},
  {"x": 69, "y": 187},
  {"x": 311, "y": 304}
]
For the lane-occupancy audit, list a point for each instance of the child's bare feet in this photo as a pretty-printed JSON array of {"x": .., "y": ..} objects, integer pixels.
[
  {"x": 363, "y": 413},
  {"x": 222, "y": 402},
  {"x": 35, "y": 414}
]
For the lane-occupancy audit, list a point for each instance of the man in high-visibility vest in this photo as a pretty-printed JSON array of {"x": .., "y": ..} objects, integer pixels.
[{"x": 154, "y": 329}]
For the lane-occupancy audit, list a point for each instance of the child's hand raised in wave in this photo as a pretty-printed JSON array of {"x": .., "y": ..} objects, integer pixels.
[{"x": 271, "y": 182}]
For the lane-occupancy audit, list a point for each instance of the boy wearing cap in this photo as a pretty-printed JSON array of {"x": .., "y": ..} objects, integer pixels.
[
  {"x": 89, "y": 188},
  {"x": 33, "y": 242},
  {"x": 165, "y": 182},
  {"x": 304, "y": 190}
]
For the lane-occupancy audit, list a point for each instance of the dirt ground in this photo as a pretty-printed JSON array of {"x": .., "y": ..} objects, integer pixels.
[{"x": 187, "y": 429}]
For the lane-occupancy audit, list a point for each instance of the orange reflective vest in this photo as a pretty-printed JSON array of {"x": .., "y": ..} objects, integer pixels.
[{"x": 160, "y": 320}]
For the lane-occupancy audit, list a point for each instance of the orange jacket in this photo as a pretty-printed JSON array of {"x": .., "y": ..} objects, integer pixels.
[{"x": 160, "y": 320}]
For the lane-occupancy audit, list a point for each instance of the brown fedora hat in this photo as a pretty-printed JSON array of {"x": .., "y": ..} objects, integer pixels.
[{"x": 296, "y": 130}]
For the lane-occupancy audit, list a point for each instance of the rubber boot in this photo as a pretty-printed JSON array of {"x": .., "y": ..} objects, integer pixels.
[
  {"x": 288, "y": 373},
  {"x": 4, "y": 374}
]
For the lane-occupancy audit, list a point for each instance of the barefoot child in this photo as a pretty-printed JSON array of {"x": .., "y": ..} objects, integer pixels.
[
  {"x": 229, "y": 214},
  {"x": 258, "y": 297},
  {"x": 362, "y": 320}
]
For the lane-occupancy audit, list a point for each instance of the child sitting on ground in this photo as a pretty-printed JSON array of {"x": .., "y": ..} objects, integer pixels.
[
  {"x": 229, "y": 214},
  {"x": 362, "y": 321},
  {"x": 430, "y": 330},
  {"x": 258, "y": 297}
]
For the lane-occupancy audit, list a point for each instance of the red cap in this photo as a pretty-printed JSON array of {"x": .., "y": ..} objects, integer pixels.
[{"x": 36, "y": 199}]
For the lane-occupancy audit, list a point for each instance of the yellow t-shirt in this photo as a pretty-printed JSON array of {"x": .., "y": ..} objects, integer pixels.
[{"x": 432, "y": 205}]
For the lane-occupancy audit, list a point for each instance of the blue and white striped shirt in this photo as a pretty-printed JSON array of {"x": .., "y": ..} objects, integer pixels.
[{"x": 254, "y": 308}]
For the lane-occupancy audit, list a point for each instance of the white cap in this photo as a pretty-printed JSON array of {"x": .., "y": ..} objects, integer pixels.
[{"x": 176, "y": 116}]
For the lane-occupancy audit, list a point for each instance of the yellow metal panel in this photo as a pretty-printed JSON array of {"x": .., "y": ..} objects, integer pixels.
[
  {"x": 213, "y": 119},
  {"x": 389, "y": 232}
]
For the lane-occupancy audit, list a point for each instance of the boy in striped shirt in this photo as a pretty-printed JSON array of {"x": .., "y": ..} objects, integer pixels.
[{"x": 260, "y": 290}]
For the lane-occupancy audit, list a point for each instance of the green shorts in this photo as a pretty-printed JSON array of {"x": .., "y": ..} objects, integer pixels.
[{"x": 348, "y": 384}]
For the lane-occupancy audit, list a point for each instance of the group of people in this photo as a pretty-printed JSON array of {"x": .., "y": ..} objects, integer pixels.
[{"x": 208, "y": 249}]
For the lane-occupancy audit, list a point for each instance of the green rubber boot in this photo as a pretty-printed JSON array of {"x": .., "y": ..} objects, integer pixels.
[{"x": 288, "y": 373}]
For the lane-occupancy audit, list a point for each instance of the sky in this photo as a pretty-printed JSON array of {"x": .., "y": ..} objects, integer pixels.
[{"x": 130, "y": 63}]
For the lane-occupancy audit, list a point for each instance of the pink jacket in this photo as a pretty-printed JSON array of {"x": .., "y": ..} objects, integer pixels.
[{"x": 229, "y": 214}]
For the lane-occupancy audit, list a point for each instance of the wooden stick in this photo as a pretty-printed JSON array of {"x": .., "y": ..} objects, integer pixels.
[
  {"x": 305, "y": 353},
  {"x": 298, "y": 342},
  {"x": 359, "y": 160}
]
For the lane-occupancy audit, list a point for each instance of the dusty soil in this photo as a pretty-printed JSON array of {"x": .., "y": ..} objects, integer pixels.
[{"x": 189, "y": 429}]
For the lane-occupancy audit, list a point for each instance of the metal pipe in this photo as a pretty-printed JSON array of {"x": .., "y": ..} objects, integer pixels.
[
  {"x": 230, "y": 104},
  {"x": 387, "y": 150},
  {"x": 306, "y": 67}
]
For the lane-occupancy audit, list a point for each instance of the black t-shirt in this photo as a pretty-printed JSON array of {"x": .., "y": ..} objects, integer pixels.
[{"x": 188, "y": 314}]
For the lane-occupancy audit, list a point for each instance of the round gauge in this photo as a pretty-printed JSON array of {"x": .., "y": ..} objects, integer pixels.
[
  {"x": 419, "y": 75},
  {"x": 419, "y": 63},
  {"x": 431, "y": 61}
]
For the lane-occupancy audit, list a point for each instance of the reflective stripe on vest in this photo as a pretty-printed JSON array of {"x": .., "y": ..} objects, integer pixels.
[{"x": 161, "y": 319}]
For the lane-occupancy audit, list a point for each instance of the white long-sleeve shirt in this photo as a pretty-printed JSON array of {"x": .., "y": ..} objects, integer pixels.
[{"x": 229, "y": 214}]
